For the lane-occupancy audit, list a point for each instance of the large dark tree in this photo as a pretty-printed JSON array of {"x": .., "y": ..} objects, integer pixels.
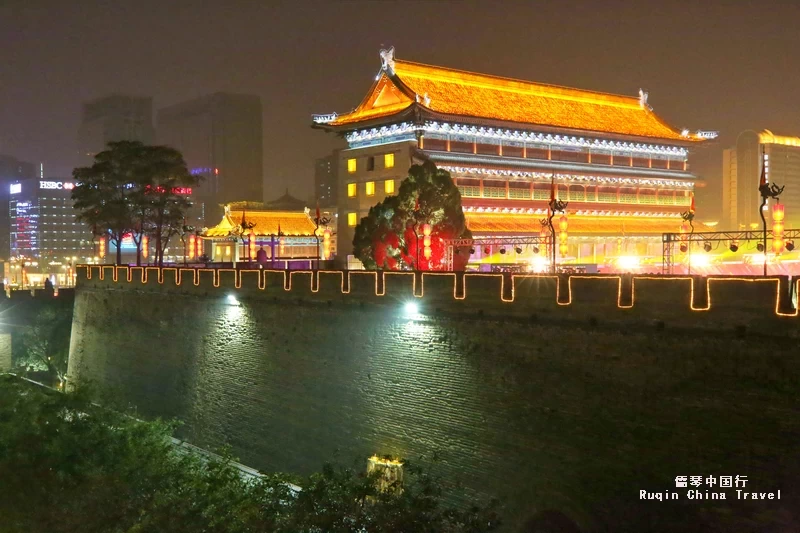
[
  {"x": 134, "y": 189},
  {"x": 100, "y": 195},
  {"x": 387, "y": 238},
  {"x": 166, "y": 176}
]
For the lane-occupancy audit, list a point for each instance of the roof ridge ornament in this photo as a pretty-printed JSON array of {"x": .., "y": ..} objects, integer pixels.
[
  {"x": 387, "y": 61},
  {"x": 643, "y": 99}
]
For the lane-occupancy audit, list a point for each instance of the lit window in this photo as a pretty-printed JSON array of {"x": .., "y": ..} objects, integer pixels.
[
  {"x": 370, "y": 186},
  {"x": 351, "y": 165},
  {"x": 389, "y": 186},
  {"x": 352, "y": 219},
  {"x": 388, "y": 161},
  {"x": 351, "y": 190}
]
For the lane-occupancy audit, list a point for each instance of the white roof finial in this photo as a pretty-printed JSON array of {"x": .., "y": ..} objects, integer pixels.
[
  {"x": 387, "y": 61},
  {"x": 643, "y": 99}
]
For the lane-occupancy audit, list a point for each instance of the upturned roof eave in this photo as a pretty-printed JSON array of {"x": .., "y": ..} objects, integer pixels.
[{"x": 420, "y": 113}]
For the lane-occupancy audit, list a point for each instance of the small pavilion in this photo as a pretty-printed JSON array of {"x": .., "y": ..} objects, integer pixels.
[{"x": 281, "y": 230}]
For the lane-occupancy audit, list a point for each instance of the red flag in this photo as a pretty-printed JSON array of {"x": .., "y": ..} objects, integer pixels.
[
  {"x": 553, "y": 189},
  {"x": 763, "y": 171},
  {"x": 416, "y": 205},
  {"x": 691, "y": 207},
  {"x": 279, "y": 228},
  {"x": 318, "y": 215}
]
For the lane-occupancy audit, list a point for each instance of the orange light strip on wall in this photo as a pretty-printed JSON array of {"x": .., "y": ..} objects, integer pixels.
[{"x": 144, "y": 276}]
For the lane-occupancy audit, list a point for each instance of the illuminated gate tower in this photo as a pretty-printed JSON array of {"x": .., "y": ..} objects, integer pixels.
[{"x": 622, "y": 169}]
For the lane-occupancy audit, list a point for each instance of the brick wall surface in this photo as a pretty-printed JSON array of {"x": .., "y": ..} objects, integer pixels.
[{"x": 544, "y": 416}]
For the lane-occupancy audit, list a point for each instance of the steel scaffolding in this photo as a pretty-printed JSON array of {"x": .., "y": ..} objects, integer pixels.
[{"x": 669, "y": 240}]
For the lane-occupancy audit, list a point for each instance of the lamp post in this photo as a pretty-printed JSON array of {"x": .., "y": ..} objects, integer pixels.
[
  {"x": 239, "y": 232},
  {"x": 688, "y": 216},
  {"x": 556, "y": 206},
  {"x": 319, "y": 221},
  {"x": 767, "y": 191}
]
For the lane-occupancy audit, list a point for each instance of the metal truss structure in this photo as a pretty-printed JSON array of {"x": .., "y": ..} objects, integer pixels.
[
  {"x": 669, "y": 240},
  {"x": 452, "y": 245}
]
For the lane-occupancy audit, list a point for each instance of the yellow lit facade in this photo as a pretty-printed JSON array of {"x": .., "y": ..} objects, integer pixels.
[
  {"x": 352, "y": 219},
  {"x": 351, "y": 165},
  {"x": 282, "y": 234},
  {"x": 352, "y": 189},
  {"x": 623, "y": 170}
]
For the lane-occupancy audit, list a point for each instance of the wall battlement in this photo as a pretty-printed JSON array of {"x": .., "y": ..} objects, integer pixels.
[{"x": 739, "y": 300}]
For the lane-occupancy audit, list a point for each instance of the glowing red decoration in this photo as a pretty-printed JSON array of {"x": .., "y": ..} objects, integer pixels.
[
  {"x": 777, "y": 228},
  {"x": 562, "y": 236}
]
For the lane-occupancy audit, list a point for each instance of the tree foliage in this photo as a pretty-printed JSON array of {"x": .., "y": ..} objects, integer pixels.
[
  {"x": 387, "y": 238},
  {"x": 134, "y": 189},
  {"x": 45, "y": 344},
  {"x": 67, "y": 465}
]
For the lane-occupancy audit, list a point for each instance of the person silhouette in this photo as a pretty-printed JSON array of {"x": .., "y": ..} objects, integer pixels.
[{"x": 261, "y": 255}]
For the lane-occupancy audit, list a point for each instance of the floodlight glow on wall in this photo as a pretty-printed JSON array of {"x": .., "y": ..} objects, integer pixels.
[{"x": 411, "y": 309}]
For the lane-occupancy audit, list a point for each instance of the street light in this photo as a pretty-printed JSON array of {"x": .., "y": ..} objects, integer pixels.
[{"x": 555, "y": 206}]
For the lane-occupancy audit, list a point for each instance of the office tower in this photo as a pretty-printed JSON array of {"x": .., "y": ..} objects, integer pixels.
[
  {"x": 114, "y": 118},
  {"x": 220, "y": 138}
]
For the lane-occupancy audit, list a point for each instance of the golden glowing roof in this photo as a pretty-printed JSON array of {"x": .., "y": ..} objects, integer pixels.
[
  {"x": 767, "y": 137},
  {"x": 455, "y": 92},
  {"x": 514, "y": 224},
  {"x": 291, "y": 223}
]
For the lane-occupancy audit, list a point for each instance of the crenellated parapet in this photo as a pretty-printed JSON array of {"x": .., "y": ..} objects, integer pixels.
[{"x": 738, "y": 300}]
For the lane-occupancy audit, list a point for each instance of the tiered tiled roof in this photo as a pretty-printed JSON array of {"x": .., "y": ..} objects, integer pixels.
[
  {"x": 512, "y": 224},
  {"x": 291, "y": 223},
  {"x": 445, "y": 91}
]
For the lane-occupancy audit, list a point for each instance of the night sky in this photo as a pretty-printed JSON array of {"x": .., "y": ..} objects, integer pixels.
[{"x": 707, "y": 65}]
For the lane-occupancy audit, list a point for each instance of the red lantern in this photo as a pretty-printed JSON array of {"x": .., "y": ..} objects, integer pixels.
[
  {"x": 102, "y": 246},
  {"x": 326, "y": 243},
  {"x": 777, "y": 228},
  {"x": 251, "y": 242},
  {"x": 563, "y": 223},
  {"x": 145, "y": 243},
  {"x": 199, "y": 251},
  {"x": 192, "y": 244},
  {"x": 426, "y": 240}
]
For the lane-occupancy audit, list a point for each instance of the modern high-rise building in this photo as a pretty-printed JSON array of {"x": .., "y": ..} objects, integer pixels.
[
  {"x": 116, "y": 117},
  {"x": 220, "y": 137},
  {"x": 741, "y": 173},
  {"x": 43, "y": 224},
  {"x": 326, "y": 171},
  {"x": 11, "y": 171}
]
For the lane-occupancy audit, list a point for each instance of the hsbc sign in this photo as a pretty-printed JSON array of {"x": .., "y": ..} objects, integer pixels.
[{"x": 60, "y": 185}]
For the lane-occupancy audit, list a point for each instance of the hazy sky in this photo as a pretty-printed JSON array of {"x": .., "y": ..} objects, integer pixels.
[{"x": 708, "y": 64}]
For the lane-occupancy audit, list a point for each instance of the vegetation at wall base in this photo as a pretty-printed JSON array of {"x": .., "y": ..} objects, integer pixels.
[{"x": 67, "y": 465}]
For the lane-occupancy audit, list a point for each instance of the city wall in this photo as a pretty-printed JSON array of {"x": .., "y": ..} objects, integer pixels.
[
  {"x": 18, "y": 311},
  {"x": 292, "y": 370},
  {"x": 757, "y": 303}
]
